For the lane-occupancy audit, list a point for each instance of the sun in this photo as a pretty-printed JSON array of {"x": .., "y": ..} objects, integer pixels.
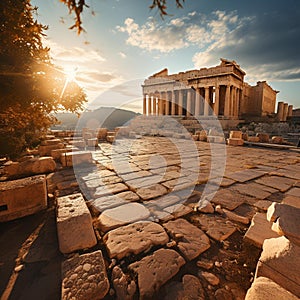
[{"x": 71, "y": 74}]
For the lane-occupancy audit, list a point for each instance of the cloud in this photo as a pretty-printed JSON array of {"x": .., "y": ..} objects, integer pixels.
[
  {"x": 122, "y": 54},
  {"x": 193, "y": 29},
  {"x": 267, "y": 46}
]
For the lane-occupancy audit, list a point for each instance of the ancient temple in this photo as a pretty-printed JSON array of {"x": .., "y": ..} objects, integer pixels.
[{"x": 219, "y": 91}]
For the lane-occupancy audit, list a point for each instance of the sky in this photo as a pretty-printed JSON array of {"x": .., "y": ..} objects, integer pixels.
[{"x": 125, "y": 42}]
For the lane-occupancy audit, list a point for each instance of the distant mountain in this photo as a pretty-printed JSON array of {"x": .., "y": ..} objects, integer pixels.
[{"x": 108, "y": 117}]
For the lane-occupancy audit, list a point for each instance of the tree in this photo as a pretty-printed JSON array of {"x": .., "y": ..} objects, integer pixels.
[
  {"x": 30, "y": 85},
  {"x": 76, "y": 7}
]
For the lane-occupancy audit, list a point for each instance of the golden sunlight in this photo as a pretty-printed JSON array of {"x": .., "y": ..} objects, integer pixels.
[{"x": 71, "y": 74}]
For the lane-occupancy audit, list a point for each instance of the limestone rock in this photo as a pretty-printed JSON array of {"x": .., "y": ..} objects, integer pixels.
[
  {"x": 265, "y": 288},
  {"x": 84, "y": 277},
  {"x": 134, "y": 239},
  {"x": 280, "y": 261},
  {"x": 209, "y": 277},
  {"x": 235, "y": 142},
  {"x": 22, "y": 197},
  {"x": 235, "y": 217},
  {"x": 259, "y": 230},
  {"x": 122, "y": 215},
  {"x": 215, "y": 227},
  {"x": 153, "y": 191},
  {"x": 155, "y": 270},
  {"x": 125, "y": 287},
  {"x": 190, "y": 288},
  {"x": 74, "y": 224},
  {"x": 76, "y": 158},
  {"x": 193, "y": 241},
  {"x": 31, "y": 166}
]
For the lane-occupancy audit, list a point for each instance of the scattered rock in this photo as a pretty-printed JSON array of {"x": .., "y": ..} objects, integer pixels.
[
  {"x": 125, "y": 287},
  {"x": 209, "y": 277}
]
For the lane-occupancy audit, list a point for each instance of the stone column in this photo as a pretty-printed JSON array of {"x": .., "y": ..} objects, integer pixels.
[
  {"x": 197, "y": 104},
  {"x": 280, "y": 111},
  {"x": 160, "y": 105},
  {"x": 290, "y": 111},
  {"x": 167, "y": 104},
  {"x": 173, "y": 102},
  {"x": 232, "y": 101},
  {"x": 217, "y": 98},
  {"x": 149, "y": 105},
  {"x": 285, "y": 111},
  {"x": 188, "y": 103},
  {"x": 238, "y": 101},
  {"x": 154, "y": 105},
  {"x": 206, "y": 102},
  {"x": 227, "y": 101},
  {"x": 180, "y": 102},
  {"x": 144, "y": 104}
]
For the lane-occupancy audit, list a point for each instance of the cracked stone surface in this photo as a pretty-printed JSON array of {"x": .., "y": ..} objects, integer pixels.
[
  {"x": 191, "y": 241},
  {"x": 155, "y": 270},
  {"x": 134, "y": 239}
]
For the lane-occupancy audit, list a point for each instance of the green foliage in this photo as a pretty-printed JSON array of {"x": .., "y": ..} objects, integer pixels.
[{"x": 30, "y": 85}]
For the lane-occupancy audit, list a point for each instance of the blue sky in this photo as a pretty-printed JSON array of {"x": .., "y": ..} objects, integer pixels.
[{"x": 125, "y": 43}]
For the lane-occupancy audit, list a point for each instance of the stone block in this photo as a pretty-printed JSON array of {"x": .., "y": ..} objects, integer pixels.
[
  {"x": 75, "y": 158},
  {"x": 236, "y": 135},
  {"x": 110, "y": 138},
  {"x": 280, "y": 261},
  {"x": 259, "y": 230},
  {"x": 253, "y": 139},
  {"x": 286, "y": 220},
  {"x": 92, "y": 142},
  {"x": 84, "y": 277},
  {"x": 263, "y": 137},
  {"x": 245, "y": 136},
  {"x": 216, "y": 139},
  {"x": 195, "y": 137},
  {"x": 49, "y": 142},
  {"x": 101, "y": 133},
  {"x": 78, "y": 143},
  {"x": 266, "y": 289},
  {"x": 74, "y": 224},
  {"x": 235, "y": 142},
  {"x": 32, "y": 166},
  {"x": 22, "y": 197},
  {"x": 277, "y": 139},
  {"x": 56, "y": 153},
  {"x": 45, "y": 150}
]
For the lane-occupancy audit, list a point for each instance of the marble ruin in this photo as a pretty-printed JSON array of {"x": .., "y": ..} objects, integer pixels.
[{"x": 219, "y": 91}]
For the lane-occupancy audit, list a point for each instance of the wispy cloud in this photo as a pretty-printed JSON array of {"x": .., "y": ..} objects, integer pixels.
[{"x": 192, "y": 30}]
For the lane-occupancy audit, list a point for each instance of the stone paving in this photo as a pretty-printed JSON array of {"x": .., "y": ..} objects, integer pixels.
[
  {"x": 169, "y": 221},
  {"x": 149, "y": 202}
]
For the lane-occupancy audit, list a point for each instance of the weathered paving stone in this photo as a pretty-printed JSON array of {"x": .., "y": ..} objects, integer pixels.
[
  {"x": 191, "y": 241},
  {"x": 291, "y": 200},
  {"x": 154, "y": 191},
  {"x": 259, "y": 230},
  {"x": 214, "y": 226},
  {"x": 101, "y": 204},
  {"x": 190, "y": 288},
  {"x": 128, "y": 196},
  {"x": 164, "y": 201},
  {"x": 134, "y": 184},
  {"x": 280, "y": 183},
  {"x": 74, "y": 224},
  {"x": 234, "y": 217},
  {"x": 84, "y": 277},
  {"x": 155, "y": 270},
  {"x": 263, "y": 204},
  {"x": 178, "y": 210},
  {"x": 294, "y": 192},
  {"x": 122, "y": 215},
  {"x": 22, "y": 197},
  {"x": 228, "y": 199},
  {"x": 280, "y": 261},
  {"x": 245, "y": 175},
  {"x": 69, "y": 159},
  {"x": 134, "y": 239},
  {"x": 125, "y": 287},
  {"x": 254, "y": 189},
  {"x": 265, "y": 288},
  {"x": 109, "y": 189}
]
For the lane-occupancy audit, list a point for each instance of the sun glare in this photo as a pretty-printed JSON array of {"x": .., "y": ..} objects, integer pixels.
[{"x": 71, "y": 74}]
